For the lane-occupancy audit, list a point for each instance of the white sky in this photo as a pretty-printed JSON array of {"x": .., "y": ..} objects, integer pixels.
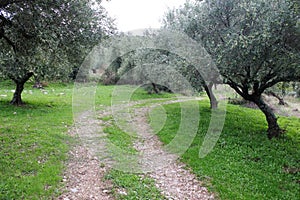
[{"x": 137, "y": 14}]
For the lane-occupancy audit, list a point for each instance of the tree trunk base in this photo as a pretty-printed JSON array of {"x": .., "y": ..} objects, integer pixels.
[
  {"x": 17, "y": 98},
  {"x": 213, "y": 104},
  {"x": 275, "y": 132},
  {"x": 17, "y": 102}
]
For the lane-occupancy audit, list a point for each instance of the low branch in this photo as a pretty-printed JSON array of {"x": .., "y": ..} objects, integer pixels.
[
  {"x": 10, "y": 43},
  {"x": 281, "y": 101},
  {"x": 236, "y": 88}
]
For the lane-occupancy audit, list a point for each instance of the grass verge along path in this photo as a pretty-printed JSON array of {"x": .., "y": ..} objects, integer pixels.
[
  {"x": 33, "y": 143},
  {"x": 244, "y": 164}
]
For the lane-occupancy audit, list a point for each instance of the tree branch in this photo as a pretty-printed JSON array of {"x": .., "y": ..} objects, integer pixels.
[
  {"x": 4, "y": 21},
  {"x": 4, "y": 3},
  {"x": 10, "y": 43}
]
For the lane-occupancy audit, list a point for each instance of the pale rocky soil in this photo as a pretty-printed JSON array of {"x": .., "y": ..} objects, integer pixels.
[
  {"x": 89, "y": 162},
  {"x": 171, "y": 176},
  {"x": 292, "y": 109},
  {"x": 84, "y": 175}
]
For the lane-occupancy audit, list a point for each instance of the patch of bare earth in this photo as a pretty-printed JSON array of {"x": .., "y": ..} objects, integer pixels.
[
  {"x": 290, "y": 109},
  {"x": 87, "y": 166},
  {"x": 84, "y": 175},
  {"x": 171, "y": 176}
]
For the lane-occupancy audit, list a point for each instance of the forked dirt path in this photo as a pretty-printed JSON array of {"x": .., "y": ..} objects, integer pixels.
[{"x": 89, "y": 160}]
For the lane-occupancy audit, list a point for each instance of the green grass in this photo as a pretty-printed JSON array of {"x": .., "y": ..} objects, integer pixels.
[
  {"x": 119, "y": 138},
  {"x": 104, "y": 94},
  {"x": 136, "y": 187},
  {"x": 132, "y": 185},
  {"x": 33, "y": 143},
  {"x": 244, "y": 164},
  {"x": 122, "y": 151}
]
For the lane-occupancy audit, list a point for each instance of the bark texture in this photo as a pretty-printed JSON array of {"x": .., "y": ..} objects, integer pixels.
[
  {"x": 212, "y": 99},
  {"x": 273, "y": 127},
  {"x": 17, "y": 98}
]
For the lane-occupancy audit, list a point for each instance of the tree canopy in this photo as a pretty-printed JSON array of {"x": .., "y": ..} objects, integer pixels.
[
  {"x": 255, "y": 44},
  {"x": 48, "y": 39}
]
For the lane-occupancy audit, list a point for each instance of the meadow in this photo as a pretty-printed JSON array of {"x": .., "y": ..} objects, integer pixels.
[{"x": 243, "y": 165}]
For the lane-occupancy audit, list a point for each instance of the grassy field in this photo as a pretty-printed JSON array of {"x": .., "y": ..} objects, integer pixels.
[
  {"x": 33, "y": 143},
  {"x": 104, "y": 95},
  {"x": 244, "y": 164}
]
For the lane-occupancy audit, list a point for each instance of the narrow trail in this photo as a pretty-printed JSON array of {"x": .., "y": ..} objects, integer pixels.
[
  {"x": 84, "y": 175},
  {"x": 89, "y": 160},
  {"x": 170, "y": 175}
]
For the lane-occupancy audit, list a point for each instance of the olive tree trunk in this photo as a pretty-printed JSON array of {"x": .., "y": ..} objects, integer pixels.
[
  {"x": 273, "y": 127},
  {"x": 17, "y": 98},
  {"x": 212, "y": 99},
  {"x": 155, "y": 88}
]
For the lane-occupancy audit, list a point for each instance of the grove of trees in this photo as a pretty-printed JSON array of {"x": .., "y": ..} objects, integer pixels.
[
  {"x": 48, "y": 39},
  {"x": 255, "y": 44}
]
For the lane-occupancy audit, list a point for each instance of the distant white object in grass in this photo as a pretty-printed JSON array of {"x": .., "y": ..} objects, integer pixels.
[
  {"x": 74, "y": 190},
  {"x": 44, "y": 91},
  {"x": 3, "y": 95}
]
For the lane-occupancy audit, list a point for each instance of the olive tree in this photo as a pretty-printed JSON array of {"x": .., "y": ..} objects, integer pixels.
[
  {"x": 47, "y": 39},
  {"x": 151, "y": 57},
  {"x": 255, "y": 44}
]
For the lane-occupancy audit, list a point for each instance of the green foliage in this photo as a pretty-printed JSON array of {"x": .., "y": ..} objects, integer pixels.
[
  {"x": 147, "y": 61},
  {"x": 33, "y": 142},
  {"x": 43, "y": 37},
  {"x": 255, "y": 44},
  {"x": 244, "y": 164},
  {"x": 48, "y": 39}
]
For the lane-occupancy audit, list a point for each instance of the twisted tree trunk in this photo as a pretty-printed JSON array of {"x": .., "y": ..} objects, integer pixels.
[
  {"x": 17, "y": 98},
  {"x": 273, "y": 127}
]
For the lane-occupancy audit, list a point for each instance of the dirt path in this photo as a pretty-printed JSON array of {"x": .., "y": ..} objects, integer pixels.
[
  {"x": 171, "y": 176},
  {"x": 88, "y": 164},
  {"x": 84, "y": 175}
]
